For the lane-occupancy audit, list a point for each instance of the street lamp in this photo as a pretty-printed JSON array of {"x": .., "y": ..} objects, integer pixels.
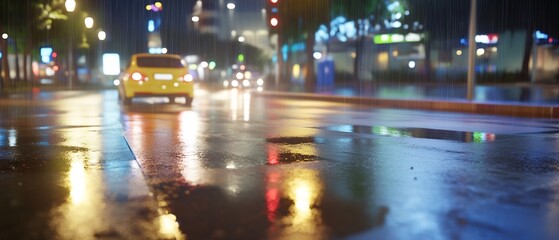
[
  {"x": 3, "y": 62},
  {"x": 88, "y": 22},
  {"x": 102, "y": 35},
  {"x": 231, "y": 6},
  {"x": 70, "y": 7}
]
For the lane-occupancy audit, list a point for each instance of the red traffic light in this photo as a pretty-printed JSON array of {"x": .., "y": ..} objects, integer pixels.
[
  {"x": 273, "y": 15},
  {"x": 54, "y": 54}
]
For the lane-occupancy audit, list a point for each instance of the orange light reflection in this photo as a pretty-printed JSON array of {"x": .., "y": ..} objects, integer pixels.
[{"x": 189, "y": 133}]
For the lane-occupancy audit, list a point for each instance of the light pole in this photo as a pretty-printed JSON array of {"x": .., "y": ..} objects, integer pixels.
[
  {"x": 102, "y": 36},
  {"x": 4, "y": 62},
  {"x": 70, "y": 7},
  {"x": 472, "y": 52},
  {"x": 230, "y": 14},
  {"x": 88, "y": 22},
  {"x": 229, "y": 30}
]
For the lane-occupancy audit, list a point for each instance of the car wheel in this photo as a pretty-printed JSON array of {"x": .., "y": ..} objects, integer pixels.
[
  {"x": 187, "y": 101},
  {"x": 126, "y": 100}
]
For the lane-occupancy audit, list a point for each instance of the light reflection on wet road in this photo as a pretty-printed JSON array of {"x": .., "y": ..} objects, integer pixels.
[
  {"x": 239, "y": 166},
  {"x": 67, "y": 173},
  {"x": 236, "y": 165}
]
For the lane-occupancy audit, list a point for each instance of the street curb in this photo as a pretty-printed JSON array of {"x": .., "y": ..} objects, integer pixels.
[
  {"x": 146, "y": 189},
  {"x": 505, "y": 109}
]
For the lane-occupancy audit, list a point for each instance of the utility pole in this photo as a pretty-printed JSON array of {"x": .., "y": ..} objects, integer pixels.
[
  {"x": 70, "y": 7},
  {"x": 534, "y": 58},
  {"x": 472, "y": 51},
  {"x": 275, "y": 26}
]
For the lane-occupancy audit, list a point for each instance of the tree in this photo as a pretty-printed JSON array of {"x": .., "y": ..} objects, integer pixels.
[
  {"x": 19, "y": 25},
  {"x": 299, "y": 20},
  {"x": 357, "y": 12},
  {"x": 49, "y": 12},
  {"x": 367, "y": 13}
]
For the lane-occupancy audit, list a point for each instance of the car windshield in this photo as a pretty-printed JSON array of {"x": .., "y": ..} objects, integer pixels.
[{"x": 159, "y": 62}]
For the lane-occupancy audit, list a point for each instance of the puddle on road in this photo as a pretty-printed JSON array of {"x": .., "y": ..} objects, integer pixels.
[
  {"x": 34, "y": 157},
  {"x": 291, "y": 140},
  {"x": 285, "y": 150},
  {"x": 295, "y": 157},
  {"x": 459, "y": 136}
]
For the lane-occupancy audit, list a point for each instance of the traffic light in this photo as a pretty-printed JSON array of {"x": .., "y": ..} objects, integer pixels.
[
  {"x": 54, "y": 60},
  {"x": 274, "y": 22},
  {"x": 273, "y": 15}
]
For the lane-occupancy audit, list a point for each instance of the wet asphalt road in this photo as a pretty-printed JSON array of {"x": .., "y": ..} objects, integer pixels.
[{"x": 236, "y": 165}]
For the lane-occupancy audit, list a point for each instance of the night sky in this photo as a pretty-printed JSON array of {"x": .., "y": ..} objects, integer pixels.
[
  {"x": 451, "y": 18},
  {"x": 125, "y": 20}
]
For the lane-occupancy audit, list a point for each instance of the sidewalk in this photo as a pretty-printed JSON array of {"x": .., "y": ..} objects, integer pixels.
[
  {"x": 68, "y": 172},
  {"x": 517, "y": 100}
]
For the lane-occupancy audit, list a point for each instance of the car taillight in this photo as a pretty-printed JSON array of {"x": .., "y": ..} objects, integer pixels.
[{"x": 137, "y": 76}]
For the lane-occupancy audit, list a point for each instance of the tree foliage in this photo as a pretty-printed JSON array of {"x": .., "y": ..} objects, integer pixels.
[
  {"x": 358, "y": 9},
  {"x": 49, "y": 12},
  {"x": 299, "y": 21}
]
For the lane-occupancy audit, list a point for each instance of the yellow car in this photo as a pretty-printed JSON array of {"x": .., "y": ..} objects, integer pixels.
[{"x": 156, "y": 75}]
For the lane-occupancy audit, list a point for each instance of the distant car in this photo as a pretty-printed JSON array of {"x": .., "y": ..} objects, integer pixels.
[
  {"x": 156, "y": 75},
  {"x": 246, "y": 79}
]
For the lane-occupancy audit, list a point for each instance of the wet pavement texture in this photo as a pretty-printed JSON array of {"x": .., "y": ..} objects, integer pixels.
[
  {"x": 67, "y": 172},
  {"x": 521, "y": 93},
  {"x": 241, "y": 166}
]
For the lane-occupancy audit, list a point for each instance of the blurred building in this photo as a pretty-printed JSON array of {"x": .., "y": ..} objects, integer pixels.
[
  {"x": 411, "y": 55},
  {"x": 500, "y": 53},
  {"x": 232, "y": 23}
]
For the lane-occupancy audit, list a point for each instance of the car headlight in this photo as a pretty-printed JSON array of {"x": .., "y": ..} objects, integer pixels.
[
  {"x": 260, "y": 82},
  {"x": 235, "y": 83},
  {"x": 248, "y": 75},
  {"x": 246, "y": 83},
  {"x": 226, "y": 83},
  {"x": 239, "y": 75}
]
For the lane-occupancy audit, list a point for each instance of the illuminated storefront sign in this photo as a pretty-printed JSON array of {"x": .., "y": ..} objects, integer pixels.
[
  {"x": 111, "y": 64},
  {"x": 397, "y": 38}
]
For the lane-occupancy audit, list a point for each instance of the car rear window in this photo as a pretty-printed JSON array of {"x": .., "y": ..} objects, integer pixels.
[{"x": 159, "y": 62}]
